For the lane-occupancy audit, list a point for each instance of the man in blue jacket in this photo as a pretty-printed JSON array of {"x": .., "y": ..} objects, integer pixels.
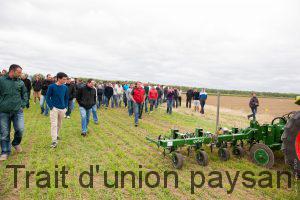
[
  {"x": 203, "y": 97},
  {"x": 57, "y": 98}
]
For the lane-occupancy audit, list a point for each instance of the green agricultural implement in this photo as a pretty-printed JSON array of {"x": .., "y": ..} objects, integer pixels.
[{"x": 283, "y": 133}]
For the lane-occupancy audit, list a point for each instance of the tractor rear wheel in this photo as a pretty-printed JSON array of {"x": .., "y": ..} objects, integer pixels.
[
  {"x": 291, "y": 143},
  {"x": 177, "y": 160},
  {"x": 262, "y": 155},
  {"x": 202, "y": 158}
]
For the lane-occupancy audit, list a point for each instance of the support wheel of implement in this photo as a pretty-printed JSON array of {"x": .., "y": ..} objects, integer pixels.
[
  {"x": 177, "y": 160},
  {"x": 238, "y": 152},
  {"x": 291, "y": 143},
  {"x": 262, "y": 155},
  {"x": 223, "y": 154},
  {"x": 202, "y": 158}
]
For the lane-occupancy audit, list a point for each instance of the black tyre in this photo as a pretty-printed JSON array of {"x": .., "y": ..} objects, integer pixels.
[
  {"x": 223, "y": 154},
  {"x": 238, "y": 151},
  {"x": 291, "y": 143},
  {"x": 202, "y": 158},
  {"x": 177, "y": 160},
  {"x": 262, "y": 155}
]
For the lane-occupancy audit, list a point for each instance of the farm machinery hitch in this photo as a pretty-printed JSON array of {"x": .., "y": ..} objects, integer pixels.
[{"x": 283, "y": 133}]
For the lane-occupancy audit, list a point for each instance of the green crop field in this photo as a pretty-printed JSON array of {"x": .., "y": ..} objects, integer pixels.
[{"x": 116, "y": 145}]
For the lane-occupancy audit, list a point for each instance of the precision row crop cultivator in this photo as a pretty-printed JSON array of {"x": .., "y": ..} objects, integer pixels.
[{"x": 283, "y": 133}]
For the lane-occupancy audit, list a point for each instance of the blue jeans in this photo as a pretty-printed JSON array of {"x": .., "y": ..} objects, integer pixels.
[
  {"x": 115, "y": 101},
  {"x": 152, "y": 103},
  {"x": 138, "y": 108},
  {"x": 5, "y": 125},
  {"x": 94, "y": 111},
  {"x": 85, "y": 118},
  {"x": 42, "y": 104},
  {"x": 254, "y": 111},
  {"x": 73, "y": 105},
  {"x": 130, "y": 107},
  {"x": 169, "y": 105}
]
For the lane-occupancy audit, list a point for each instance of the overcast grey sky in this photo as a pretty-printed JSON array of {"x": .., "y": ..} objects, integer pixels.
[{"x": 229, "y": 44}]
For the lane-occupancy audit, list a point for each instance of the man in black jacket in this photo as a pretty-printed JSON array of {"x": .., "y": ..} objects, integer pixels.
[
  {"x": 189, "y": 97},
  {"x": 37, "y": 87},
  {"x": 253, "y": 104},
  {"x": 86, "y": 98},
  {"x": 27, "y": 83},
  {"x": 108, "y": 92},
  {"x": 45, "y": 84},
  {"x": 72, "y": 94}
]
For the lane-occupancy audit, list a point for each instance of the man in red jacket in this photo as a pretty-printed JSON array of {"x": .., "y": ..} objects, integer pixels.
[
  {"x": 138, "y": 97},
  {"x": 153, "y": 95}
]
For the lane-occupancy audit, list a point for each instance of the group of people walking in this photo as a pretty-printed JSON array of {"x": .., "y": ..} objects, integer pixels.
[{"x": 57, "y": 96}]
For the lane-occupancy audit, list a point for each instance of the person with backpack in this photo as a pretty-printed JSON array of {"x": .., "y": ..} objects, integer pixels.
[
  {"x": 138, "y": 97},
  {"x": 153, "y": 95},
  {"x": 203, "y": 97}
]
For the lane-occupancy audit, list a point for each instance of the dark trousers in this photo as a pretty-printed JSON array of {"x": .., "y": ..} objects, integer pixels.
[
  {"x": 99, "y": 101},
  {"x": 179, "y": 101},
  {"x": 188, "y": 103},
  {"x": 202, "y": 103},
  {"x": 175, "y": 103},
  {"x": 28, "y": 94},
  {"x": 125, "y": 99},
  {"x": 69, "y": 110}
]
